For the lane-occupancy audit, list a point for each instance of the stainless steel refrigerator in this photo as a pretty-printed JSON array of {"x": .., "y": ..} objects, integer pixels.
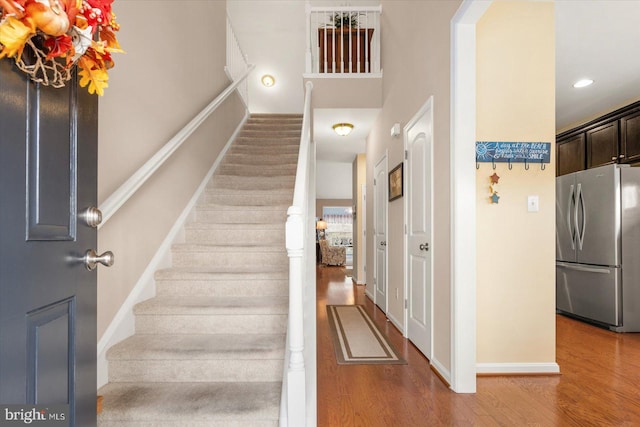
[{"x": 598, "y": 246}]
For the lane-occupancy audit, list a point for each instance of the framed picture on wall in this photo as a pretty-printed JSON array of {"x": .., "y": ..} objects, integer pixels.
[{"x": 395, "y": 183}]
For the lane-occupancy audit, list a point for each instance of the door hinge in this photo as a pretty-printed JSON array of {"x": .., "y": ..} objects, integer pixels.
[
  {"x": 405, "y": 229},
  {"x": 406, "y": 304},
  {"x": 406, "y": 154},
  {"x": 374, "y": 181}
]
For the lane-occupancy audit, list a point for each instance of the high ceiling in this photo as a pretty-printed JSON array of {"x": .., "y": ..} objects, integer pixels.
[{"x": 599, "y": 39}]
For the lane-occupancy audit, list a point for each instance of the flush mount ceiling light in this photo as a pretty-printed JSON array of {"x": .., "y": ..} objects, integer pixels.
[
  {"x": 343, "y": 129},
  {"x": 268, "y": 80},
  {"x": 582, "y": 83}
]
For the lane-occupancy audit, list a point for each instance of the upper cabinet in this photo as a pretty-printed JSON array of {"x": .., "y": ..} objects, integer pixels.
[
  {"x": 612, "y": 138},
  {"x": 602, "y": 145},
  {"x": 630, "y": 137},
  {"x": 570, "y": 155}
]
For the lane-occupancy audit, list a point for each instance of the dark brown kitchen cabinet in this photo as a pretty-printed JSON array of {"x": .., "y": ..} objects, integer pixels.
[
  {"x": 630, "y": 138},
  {"x": 602, "y": 145},
  {"x": 570, "y": 155}
]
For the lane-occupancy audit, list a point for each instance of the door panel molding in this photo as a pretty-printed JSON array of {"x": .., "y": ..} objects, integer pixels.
[
  {"x": 51, "y": 190},
  {"x": 46, "y": 327}
]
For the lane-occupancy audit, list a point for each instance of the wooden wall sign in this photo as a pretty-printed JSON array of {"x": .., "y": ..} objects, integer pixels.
[{"x": 513, "y": 152}]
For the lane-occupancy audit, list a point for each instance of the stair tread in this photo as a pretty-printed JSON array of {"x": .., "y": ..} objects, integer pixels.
[
  {"x": 207, "y": 305},
  {"x": 250, "y": 192},
  {"x": 196, "y": 225},
  {"x": 242, "y": 248},
  {"x": 199, "y": 347},
  {"x": 218, "y": 206},
  {"x": 190, "y": 402},
  {"x": 228, "y": 273}
]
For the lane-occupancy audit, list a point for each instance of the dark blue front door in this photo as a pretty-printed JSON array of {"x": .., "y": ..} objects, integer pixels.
[{"x": 48, "y": 164}]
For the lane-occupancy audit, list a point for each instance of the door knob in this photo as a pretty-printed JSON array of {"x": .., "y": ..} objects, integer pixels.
[
  {"x": 424, "y": 247},
  {"x": 92, "y": 216},
  {"x": 91, "y": 259}
]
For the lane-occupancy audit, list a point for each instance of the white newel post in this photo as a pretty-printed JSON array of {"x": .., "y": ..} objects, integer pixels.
[{"x": 296, "y": 401}]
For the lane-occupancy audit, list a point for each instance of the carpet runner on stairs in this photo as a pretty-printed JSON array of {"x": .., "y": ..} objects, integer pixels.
[{"x": 209, "y": 348}]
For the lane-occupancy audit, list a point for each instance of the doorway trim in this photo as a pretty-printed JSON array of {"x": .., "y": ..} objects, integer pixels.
[{"x": 463, "y": 194}]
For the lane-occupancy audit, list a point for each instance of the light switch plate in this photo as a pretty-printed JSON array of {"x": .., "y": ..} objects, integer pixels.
[{"x": 533, "y": 204}]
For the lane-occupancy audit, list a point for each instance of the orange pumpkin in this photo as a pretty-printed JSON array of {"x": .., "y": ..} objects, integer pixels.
[{"x": 49, "y": 18}]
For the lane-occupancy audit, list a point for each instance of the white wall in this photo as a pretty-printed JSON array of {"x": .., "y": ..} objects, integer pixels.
[
  {"x": 334, "y": 180},
  {"x": 154, "y": 90}
]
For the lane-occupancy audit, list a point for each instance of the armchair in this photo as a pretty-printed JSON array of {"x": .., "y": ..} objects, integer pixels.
[{"x": 332, "y": 255}]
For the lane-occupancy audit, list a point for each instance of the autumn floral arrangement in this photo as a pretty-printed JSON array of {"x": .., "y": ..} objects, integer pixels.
[{"x": 48, "y": 37}]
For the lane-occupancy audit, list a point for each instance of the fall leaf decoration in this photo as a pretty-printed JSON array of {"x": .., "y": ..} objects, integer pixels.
[{"x": 46, "y": 38}]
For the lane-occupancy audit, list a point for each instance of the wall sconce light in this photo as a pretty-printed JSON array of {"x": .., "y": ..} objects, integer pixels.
[
  {"x": 268, "y": 80},
  {"x": 343, "y": 129}
]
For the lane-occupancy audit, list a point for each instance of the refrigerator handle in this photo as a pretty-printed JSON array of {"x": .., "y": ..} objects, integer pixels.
[
  {"x": 584, "y": 268},
  {"x": 581, "y": 230},
  {"x": 572, "y": 231}
]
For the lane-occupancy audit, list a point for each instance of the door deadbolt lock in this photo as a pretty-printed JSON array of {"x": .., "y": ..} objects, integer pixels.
[
  {"x": 91, "y": 259},
  {"x": 424, "y": 247},
  {"x": 92, "y": 216}
]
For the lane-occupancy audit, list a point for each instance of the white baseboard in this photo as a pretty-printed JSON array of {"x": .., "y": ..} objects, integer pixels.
[
  {"x": 123, "y": 324},
  {"x": 396, "y": 323},
  {"x": 517, "y": 368},
  {"x": 369, "y": 294},
  {"x": 442, "y": 371}
]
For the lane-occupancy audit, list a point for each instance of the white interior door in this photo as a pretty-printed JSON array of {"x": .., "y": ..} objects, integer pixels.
[
  {"x": 380, "y": 233},
  {"x": 418, "y": 142}
]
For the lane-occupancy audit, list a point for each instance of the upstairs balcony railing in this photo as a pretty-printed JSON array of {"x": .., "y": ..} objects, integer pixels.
[{"x": 343, "y": 40}]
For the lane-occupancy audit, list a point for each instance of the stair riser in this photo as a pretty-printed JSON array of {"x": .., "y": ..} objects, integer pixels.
[
  {"x": 222, "y": 288},
  {"x": 270, "y": 134},
  {"x": 269, "y": 260},
  {"x": 265, "y": 170},
  {"x": 261, "y": 149},
  {"x": 253, "y": 141},
  {"x": 212, "y": 324},
  {"x": 240, "y": 217},
  {"x": 252, "y": 183},
  {"x": 261, "y": 159},
  {"x": 283, "y": 123},
  {"x": 247, "y": 200},
  {"x": 236, "y": 237},
  {"x": 242, "y": 370}
]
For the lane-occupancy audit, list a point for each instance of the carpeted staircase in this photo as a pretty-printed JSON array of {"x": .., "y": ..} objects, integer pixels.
[{"x": 209, "y": 348}]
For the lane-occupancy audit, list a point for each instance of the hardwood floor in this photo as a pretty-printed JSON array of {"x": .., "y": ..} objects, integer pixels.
[{"x": 599, "y": 385}]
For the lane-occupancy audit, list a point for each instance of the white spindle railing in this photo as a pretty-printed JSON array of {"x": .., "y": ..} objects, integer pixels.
[
  {"x": 299, "y": 380},
  {"x": 343, "y": 39},
  {"x": 237, "y": 62}
]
